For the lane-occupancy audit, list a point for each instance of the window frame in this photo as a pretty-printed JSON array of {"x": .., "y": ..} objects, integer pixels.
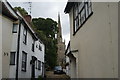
[
  {"x": 33, "y": 46},
  {"x": 14, "y": 58},
  {"x": 25, "y": 35},
  {"x": 80, "y": 23},
  {"x": 39, "y": 65},
  {"x": 14, "y": 30},
  {"x": 40, "y": 48},
  {"x": 24, "y": 61}
]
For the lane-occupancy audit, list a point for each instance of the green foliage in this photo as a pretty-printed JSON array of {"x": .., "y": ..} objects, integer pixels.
[
  {"x": 21, "y": 10},
  {"x": 46, "y": 30}
]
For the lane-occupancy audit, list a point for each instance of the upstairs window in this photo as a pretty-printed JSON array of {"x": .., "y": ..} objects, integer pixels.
[
  {"x": 39, "y": 65},
  {"x": 81, "y": 12},
  {"x": 25, "y": 35},
  {"x": 40, "y": 48},
  {"x": 12, "y": 58},
  {"x": 24, "y": 61},
  {"x": 33, "y": 46},
  {"x": 14, "y": 30}
]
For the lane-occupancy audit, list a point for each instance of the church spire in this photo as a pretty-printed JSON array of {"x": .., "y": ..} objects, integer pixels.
[{"x": 59, "y": 27}]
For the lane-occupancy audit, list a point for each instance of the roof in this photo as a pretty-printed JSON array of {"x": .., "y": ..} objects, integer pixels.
[
  {"x": 8, "y": 11},
  {"x": 68, "y": 7}
]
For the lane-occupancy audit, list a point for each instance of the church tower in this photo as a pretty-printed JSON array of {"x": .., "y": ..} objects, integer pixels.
[{"x": 61, "y": 44}]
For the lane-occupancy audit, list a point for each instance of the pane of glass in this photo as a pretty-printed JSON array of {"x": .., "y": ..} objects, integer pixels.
[
  {"x": 23, "y": 65},
  {"x": 12, "y": 58},
  {"x": 15, "y": 27},
  {"x": 77, "y": 24},
  {"x": 25, "y": 31},
  {"x": 82, "y": 16},
  {"x": 24, "y": 38},
  {"x": 86, "y": 9},
  {"x": 79, "y": 20},
  {"x": 81, "y": 5},
  {"x": 76, "y": 11},
  {"x": 89, "y": 3},
  {"x": 90, "y": 10}
]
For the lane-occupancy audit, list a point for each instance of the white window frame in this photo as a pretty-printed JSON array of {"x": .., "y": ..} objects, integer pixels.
[
  {"x": 81, "y": 12},
  {"x": 24, "y": 61}
]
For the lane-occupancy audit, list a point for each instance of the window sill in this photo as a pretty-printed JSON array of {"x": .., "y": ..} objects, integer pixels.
[
  {"x": 14, "y": 32},
  {"x": 39, "y": 69},
  {"x": 12, "y": 64},
  {"x": 83, "y": 23}
]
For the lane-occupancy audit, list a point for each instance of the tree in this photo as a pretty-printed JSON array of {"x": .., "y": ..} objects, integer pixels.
[
  {"x": 21, "y": 10},
  {"x": 46, "y": 30}
]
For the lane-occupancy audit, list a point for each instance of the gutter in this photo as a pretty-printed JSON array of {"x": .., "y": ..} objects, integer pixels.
[{"x": 18, "y": 49}]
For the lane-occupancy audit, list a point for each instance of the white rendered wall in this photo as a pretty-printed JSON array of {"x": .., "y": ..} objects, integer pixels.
[
  {"x": 12, "y": 71},
  {"x": 0, "y": 46},
  {"x": 7, "y": 25},
  {"x": 97, "y": 42}
]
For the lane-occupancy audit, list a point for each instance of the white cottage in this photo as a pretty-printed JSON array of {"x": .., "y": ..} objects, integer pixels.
[
  {"x": 8, "y": 17},
  {"x": 23, "y": 51}
]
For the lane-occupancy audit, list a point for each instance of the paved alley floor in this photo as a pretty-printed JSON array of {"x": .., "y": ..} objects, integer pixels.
[{"x": 51, "y": 75}]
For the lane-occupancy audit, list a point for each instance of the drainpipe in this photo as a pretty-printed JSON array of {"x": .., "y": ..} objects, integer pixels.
[{"x": 18, "y": 48}]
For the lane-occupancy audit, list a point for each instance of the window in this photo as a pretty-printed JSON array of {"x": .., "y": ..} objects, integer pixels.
[
  {"x": 39, "y": 65},
  {"x": 40, "y": 48},
  {"x": 14, "y": 28},
  {"x": 36, "y": 64},
  {"x": 24, "y": 61},
  {"x": 12, "y": 58},
  {"x": 82, "y": 11},
  {"x": 25, "y": 35},
  {"x": 33, "y": 46}
]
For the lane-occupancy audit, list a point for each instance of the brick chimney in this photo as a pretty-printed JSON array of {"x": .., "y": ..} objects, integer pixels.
[{"x": 28, "y": 18}]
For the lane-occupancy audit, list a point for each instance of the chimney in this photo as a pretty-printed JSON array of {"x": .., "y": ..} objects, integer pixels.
[{"x": 28, "y": 18}]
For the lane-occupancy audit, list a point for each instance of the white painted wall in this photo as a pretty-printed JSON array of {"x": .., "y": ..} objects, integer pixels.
[
  {"x": 40, "y": 56},
  {"x": 97, "y": 42},
  {"x": 0, "y": 46},
  {"x": 28, "y": 49},
  {"x": 6, "y": 45},
  {"x": 68, "y": 66},
  {"x": 12, "y": 71}
]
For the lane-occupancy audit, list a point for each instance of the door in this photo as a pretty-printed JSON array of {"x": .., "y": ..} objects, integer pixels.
[{"x": 33, "y": 67}]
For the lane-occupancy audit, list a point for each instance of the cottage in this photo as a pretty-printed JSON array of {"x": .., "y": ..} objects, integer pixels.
[{"x": 22, "y": 51}]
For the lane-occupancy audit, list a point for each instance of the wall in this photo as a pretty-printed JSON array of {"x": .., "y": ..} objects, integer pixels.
[
  {"x": 6, "y": 45},
  {"x": 28, "y": 49},
  {"x": 12, "y": 71},
  {"x": 0, "y": 46},
  {"x": 97, "y": 42}
]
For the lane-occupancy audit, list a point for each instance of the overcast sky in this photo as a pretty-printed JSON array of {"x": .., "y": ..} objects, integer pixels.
[{"x": 49, "y": 10}]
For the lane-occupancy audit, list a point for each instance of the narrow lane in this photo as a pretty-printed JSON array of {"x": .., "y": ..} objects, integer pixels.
[{"x": 50, "y": 75}]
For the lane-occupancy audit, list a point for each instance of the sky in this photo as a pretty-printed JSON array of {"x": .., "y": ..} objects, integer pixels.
[{"x": 49, "y": 10}]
